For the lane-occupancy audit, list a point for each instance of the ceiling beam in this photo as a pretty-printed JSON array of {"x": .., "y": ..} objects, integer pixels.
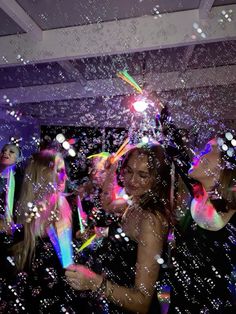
[
  {"x": 224, "y": 75},
  {"x": 116, "y": 37},
  {"x": 7, "y": 117},
  {"x": 73, "y": 71},
  {"x": 205, "y": 8},
  {"x": 187, "y": 56},
  {"x": 17, "y": 14}
]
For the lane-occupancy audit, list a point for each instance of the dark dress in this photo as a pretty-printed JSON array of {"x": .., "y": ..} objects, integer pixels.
[
  {"x": 116, "y": 258},
  {"x": 41, "y": 288},
  {"x": 204, "y": 277}
]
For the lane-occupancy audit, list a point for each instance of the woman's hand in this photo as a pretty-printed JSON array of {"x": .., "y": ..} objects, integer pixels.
[{"x": 82, "y": 278}]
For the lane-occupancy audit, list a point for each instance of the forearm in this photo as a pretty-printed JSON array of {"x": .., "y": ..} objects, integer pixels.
[{"x": 131, "y": 299}]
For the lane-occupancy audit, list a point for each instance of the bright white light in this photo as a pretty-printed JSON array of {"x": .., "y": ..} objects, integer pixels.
[
  {"x": 145, "y": 139},
  {"x": 66, "y": 145},
  {"x": 233, "y": 142},
  {"x": 140, "y": 105},
  {"x": 224, "y": 147},
  {"x": 60, "y": 138},
  {"x": 71, "y": 152}
]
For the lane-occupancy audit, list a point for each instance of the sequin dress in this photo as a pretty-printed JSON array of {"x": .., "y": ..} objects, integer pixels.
[
  {"x": 116, "y": 258},
  {"x": 41, "y": 288},
  {"x": 204, "y": 278}
]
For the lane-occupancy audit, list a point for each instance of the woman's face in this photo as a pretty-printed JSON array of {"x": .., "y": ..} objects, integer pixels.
[
  {"x": 97, "y": 171},
  {"x": 137, "y": 177},
  {"x": 61, "y": 176},
  {"x": 9, "y": 155},
  {"x": 206, "y": 164}
]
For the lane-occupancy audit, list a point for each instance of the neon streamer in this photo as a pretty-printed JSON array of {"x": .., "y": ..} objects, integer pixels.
[
  {"x": 10, "y": 196},
  {"x": 121, "y": 151},
  {"x": 87, "y": 243},
  {"x": 62, "y": 244},
  {"x": 124, "y": 75},
  {"x": 102, "y": 155}
]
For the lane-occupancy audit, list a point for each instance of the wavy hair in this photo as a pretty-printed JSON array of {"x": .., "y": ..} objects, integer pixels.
[
  {"x": 38, "y": 190},
  {"x": 158, "y": 197}
]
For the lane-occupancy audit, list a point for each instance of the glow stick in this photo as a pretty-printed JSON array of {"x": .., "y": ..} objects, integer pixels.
[
  {"x": 87, "y": 243},
  {"x": 102, "y": 155},
  {"x": 81, "y": 214},
  {"x": 129, "y": 79},
  {"x": 10, "y": 196},
  {"x": 62, "y": 245},
  {"x": 121, "y": 151}
]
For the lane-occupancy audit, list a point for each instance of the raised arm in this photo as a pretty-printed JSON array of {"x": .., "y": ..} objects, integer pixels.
[{"x": 108, "y": 197}]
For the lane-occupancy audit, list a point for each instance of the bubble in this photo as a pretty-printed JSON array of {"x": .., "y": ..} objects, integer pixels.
[
  {"x": 224, "y": 147},
  {"x": 233, "y": 142},
  {"x": 60, "y": 138},
  {"x": 230, "y": 152},
  {"x": 72, "y": 152},
  {"x": 229, "y": 136},
  {"x": 66, "y": 145}
]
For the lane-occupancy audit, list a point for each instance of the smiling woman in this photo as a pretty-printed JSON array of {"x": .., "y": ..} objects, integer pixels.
[
  {"x": 9, "y": 155},
  {"x": 126, "y": 267},
  {"x": 10, "y": 179}
]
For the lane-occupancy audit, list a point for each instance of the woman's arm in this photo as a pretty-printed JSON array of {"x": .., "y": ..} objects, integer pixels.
[
  {"x": 137, "y": 299},
  {"x": 108, "y": 198}
]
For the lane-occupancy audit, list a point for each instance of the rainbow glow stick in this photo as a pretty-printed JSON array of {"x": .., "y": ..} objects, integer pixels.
[
  {"x": 124, "y": 75},
  {"x": 10, "y": 196},
  {"x": 87, "y": 243},
  {"x": 62, "y": 244}
]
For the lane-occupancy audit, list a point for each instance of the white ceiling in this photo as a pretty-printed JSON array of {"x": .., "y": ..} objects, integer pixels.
[{"x": 59, "y": 59}]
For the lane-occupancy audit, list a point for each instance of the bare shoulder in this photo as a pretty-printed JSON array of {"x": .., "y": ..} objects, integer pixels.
[{"x": 155, "y": 223}]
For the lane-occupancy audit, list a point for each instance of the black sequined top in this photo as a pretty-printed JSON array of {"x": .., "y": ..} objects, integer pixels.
[
  {"x": 116, "y": 258},
  {"x": 41, "y": 288},
  {"x": 204, "y": 276}
]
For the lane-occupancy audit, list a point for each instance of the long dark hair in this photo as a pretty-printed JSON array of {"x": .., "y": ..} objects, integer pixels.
[{"x": 158, "y": 197}]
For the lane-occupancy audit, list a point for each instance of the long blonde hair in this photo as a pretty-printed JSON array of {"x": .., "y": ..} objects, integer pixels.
[{"x": 39, "y": 204}]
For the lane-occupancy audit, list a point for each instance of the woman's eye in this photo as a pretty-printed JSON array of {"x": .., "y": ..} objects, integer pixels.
[{"x": 144, "y": 176}]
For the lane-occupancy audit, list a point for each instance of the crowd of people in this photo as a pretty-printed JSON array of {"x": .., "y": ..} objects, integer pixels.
[{"x": 119, "y": 256}]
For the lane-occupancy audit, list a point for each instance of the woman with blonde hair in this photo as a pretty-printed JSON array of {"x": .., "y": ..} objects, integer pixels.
[{"x": 46, "y": 248}]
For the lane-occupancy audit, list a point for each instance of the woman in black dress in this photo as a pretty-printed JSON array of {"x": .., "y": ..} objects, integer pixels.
[
  {"x": 126, "y": 266},
  {"x": 204, "y": 278},
  {"x": 35, "y": 280},
  {"x": 204, "y": 258}
]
